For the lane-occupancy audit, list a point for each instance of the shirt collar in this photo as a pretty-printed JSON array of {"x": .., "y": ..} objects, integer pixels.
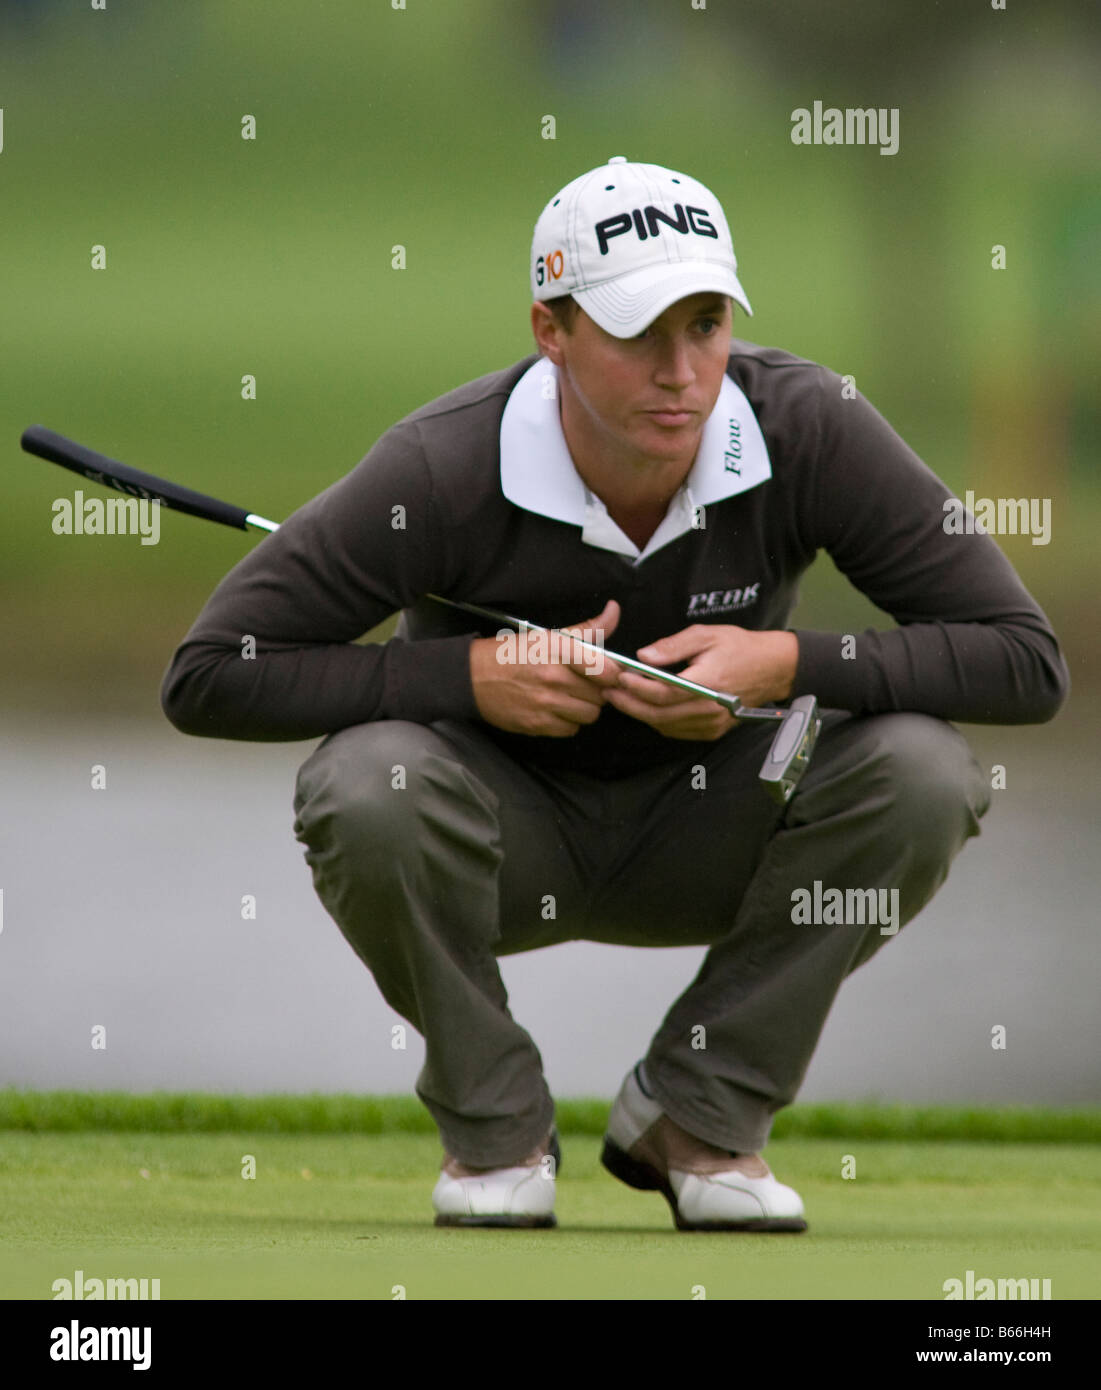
[{"x": 538, "y": 474}]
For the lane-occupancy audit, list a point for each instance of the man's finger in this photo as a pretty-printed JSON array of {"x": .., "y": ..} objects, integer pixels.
[
  {"x": 678, "y": 646},
  {"x": 591, "y": 662},
  {"x": 663, "y": 711},
  {"x": 571, "y": 683},
  {"x": 595, "y": 664},
  {"x": 694, "y": 718},
  {"x": 605, "y": 622},
  {"x": 583, "y": 709},
  {"x": 657, "y": 693}
]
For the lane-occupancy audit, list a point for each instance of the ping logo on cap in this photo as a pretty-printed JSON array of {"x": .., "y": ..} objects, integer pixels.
[
  {"x": 647, "y": 223},
  {"x": 549, "y": 267}
]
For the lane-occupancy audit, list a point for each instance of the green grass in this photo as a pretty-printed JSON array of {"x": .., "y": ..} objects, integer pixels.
[
  {"x": 342, "y": 1216},
  {"x": 203, "y": 1112}
]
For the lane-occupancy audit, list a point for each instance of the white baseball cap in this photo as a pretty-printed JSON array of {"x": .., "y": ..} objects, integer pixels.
[{"x": 627, "y": 240}]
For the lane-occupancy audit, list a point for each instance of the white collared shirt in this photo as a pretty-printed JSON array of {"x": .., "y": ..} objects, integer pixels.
[{"x": 538, "y": 473}]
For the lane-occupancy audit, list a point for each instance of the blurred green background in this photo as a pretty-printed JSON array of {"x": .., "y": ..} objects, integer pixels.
[{"x": 423, "y": 127}]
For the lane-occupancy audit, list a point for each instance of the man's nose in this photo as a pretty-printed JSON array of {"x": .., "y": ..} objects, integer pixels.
[{"x": 674, "y": 366}]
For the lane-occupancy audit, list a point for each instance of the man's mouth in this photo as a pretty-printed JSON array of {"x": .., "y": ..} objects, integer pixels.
[{"x": 672, "y": 418}]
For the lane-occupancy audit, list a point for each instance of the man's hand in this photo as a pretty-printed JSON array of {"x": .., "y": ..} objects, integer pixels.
[
  {"x": 541, "y": 683},
  {"x": 755, "y": 666}
]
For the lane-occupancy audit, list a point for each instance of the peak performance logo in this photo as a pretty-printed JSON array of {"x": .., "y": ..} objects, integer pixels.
[
  {"x": 648, "y": 222},
  {"x": 723, "y": 601}
]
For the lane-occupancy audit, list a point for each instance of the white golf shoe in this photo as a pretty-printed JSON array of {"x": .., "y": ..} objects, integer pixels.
[
  {"x": 707, "y": 1189},
  {"x": 522, "y": 1195}
]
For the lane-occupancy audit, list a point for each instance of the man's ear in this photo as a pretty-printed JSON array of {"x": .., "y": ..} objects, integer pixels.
[{"x": 547, "y": 331}]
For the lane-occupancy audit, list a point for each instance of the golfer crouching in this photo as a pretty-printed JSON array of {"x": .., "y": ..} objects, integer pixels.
[{"x": 650, "y": 483}]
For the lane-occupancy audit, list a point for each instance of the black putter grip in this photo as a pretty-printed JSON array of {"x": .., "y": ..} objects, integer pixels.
[{"x": 97, "y": 468}]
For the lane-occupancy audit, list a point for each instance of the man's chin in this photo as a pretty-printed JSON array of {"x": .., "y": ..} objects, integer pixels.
[{"x": 668, "y": 443}]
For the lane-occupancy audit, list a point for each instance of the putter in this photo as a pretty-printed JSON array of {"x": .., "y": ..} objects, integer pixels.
[
  {"x": 800, "y": 723},
  {"x": 789, "y": 752}
]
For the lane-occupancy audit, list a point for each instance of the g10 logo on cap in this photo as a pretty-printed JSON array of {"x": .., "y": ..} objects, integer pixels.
[
  {"x": 647, "y": 222},
  {"x": 549, "y": 267}
]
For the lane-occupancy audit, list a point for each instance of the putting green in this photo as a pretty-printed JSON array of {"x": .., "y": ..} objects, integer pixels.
[{"x": 349, "y": 1216}]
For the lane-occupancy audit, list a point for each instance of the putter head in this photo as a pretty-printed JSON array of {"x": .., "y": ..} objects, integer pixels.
[{"x": 790, "y": 750}]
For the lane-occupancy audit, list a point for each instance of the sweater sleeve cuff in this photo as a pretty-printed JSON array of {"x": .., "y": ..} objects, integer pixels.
[
  {"x": 823, "y": 671},
  {"x": 428, "y": 680}
]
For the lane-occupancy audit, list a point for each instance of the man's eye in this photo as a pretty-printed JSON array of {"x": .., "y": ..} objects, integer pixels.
[{"x": 709, "y": 323}]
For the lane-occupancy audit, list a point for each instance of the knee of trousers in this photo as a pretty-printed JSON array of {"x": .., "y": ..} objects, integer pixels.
[
  {"x": 379, "y": 790},
  {"x": 928, "y": 783}
]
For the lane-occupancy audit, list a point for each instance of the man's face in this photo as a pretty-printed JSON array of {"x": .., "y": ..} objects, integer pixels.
[{"x": 643, "y": 399}]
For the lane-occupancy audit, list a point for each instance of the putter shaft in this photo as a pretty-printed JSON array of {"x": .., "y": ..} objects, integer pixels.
[{"x": 730, "y": 702}]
